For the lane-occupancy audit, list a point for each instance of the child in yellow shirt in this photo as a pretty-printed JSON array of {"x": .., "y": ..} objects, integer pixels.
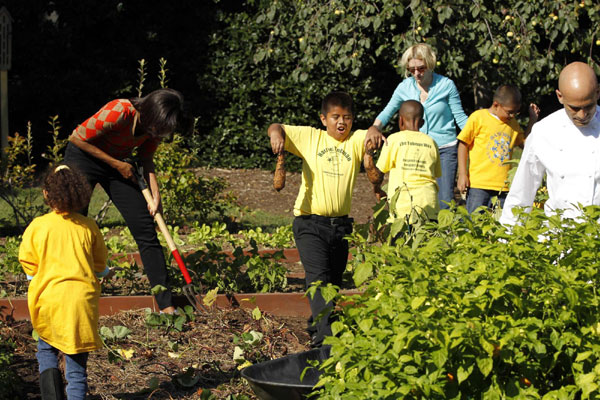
[
  {"x": 331, "y": 161},
  {"x": 486, "y": 142},
  {"x": 63, "y": 254},
  {"x": 413, "y": 160}
]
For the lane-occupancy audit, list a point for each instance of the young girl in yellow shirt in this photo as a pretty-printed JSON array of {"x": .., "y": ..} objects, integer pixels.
[{"x": 63, "y": 254}]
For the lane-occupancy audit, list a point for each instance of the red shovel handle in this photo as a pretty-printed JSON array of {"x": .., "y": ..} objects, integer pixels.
[{"x": 181, "y": 265}]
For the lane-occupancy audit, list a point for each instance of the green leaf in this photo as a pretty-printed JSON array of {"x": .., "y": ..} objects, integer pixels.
[
  {"x": 445, "y": 218},
  {"x": 439, "y": 357},
  {"x": 121, "y": 332},
  {"x": 463, "y": 373},
  {"x": 328, "y": 292},
  {"x": 157, "y": 289},
  {"x": 485, "y": 365},
  {"x": 417, "y": 301},
  {"x": 362, "y": 272},
  {"x": 583, "y": 356},
  {"x": 572, "y": 296},
  {"x": 106, "y": 332}
]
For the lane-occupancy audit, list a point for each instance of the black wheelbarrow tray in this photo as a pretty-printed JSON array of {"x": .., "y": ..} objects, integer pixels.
[{"x": 279, "y": 379}]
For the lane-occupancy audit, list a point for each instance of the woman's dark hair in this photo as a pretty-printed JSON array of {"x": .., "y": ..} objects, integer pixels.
[
  {"x": 162, "y": 112},
  {"x": 67, "y": 189}
]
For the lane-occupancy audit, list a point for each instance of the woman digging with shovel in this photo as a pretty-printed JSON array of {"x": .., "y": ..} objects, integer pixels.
[{"x": 98, "y": 147}]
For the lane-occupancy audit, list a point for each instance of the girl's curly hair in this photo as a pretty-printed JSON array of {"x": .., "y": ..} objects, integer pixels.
[{"x": 67, "y": 189}]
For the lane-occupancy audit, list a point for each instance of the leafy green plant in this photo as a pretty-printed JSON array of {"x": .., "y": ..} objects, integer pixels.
[
  {"x": 283, "y": 237},
  {"x": 11, "y": 268},
  {"x": 464, "y": 309},
  {"x": 54, "y": 151},
  {"x": 114, "y": 334},
  {"x": 9, "y": 381},
  {"x": 170, "y": 321},
  {"x": 184, "y": 194},
  {"x": 17, "y": 172},
  {"x": 203, "y": 233},
  {"x": 238, "y": 272},
  {"x": 9, "y": 257},
  {"x": 247, "y": 348}
]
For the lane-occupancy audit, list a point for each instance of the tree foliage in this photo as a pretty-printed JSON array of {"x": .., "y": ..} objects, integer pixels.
[
  {"x": 244, "y": 64},
  {"x": 274, "y": 60}
]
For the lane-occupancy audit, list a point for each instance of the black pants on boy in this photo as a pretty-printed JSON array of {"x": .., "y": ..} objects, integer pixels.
[
  {"x": 324, "y": 254},
  {"x": 130, "y": 202}
]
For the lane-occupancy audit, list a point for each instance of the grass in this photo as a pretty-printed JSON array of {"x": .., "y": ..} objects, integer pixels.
[{"x": 244, "y": 218}]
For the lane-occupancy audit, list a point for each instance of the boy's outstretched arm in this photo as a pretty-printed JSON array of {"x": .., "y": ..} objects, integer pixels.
[
  {"x": 534, "y": 114},
  {"x": 373, "y": 173},
  {"x": 463, "y": 175},
  {"x": 277, "y": 135}
]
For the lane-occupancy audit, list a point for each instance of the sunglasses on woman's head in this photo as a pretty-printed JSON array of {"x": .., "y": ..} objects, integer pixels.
[{"x": 421, "y": 69}]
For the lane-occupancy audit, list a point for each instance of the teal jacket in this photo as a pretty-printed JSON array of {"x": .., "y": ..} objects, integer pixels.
[{"x": 442, "y": 108}]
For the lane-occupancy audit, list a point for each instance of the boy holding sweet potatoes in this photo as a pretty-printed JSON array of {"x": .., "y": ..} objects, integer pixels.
[{"x": 331, "y": 160}]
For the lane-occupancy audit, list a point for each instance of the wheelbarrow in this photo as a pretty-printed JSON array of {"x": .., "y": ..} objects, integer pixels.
[{"x": 279, "y": 379}]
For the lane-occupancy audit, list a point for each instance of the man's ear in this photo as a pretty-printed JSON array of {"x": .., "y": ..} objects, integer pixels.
[
  {"x": 421, "y": 122},
  {"x": 559, "y": 96},
  {"x": 323, "y": 120}
]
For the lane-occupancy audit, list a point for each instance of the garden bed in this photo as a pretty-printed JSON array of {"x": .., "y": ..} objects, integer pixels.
[{"x": 150, "y": 361}]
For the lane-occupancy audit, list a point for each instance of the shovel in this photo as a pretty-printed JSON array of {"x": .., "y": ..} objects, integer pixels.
[{"x": 188, "y": 289}]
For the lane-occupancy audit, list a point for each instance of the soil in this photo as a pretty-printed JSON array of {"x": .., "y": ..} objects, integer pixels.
[
  {"x": 253, "y": 188},
  {"x": 159, "y": 356}
]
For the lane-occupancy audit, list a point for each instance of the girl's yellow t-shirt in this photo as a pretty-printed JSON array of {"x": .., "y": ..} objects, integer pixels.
[
  {"x": 63, "y": 253},
  {"x": 329, "y": 169}
]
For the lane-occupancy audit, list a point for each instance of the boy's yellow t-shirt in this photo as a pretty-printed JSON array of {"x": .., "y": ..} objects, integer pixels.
[
  {"x": 490, "y": 142},
  {"x": 413, "y": 161},
  {"x": 329, "y": 169},
  {"x": 63, "y": 253}
]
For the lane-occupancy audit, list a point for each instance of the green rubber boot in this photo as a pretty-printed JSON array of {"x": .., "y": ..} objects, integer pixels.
[{"x": 51, "y": 385}]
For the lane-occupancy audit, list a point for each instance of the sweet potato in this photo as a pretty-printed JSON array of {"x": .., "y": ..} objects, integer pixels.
[
  {"x": 279, "y": 177},
  {"x": 375, "y": 176}
]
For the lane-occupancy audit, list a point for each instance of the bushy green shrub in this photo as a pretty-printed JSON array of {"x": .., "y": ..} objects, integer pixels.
[
  {"x": 185, "y": 195},
  {"x": 464, "y": 309}
]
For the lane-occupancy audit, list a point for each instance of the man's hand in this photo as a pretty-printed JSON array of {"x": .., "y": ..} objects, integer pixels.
[
  {"x": 126, "y": 170},
  {"x": 463, "y": 183},
  {"x": 375, "y": 137},
  {"x": 534, "y": 112}
]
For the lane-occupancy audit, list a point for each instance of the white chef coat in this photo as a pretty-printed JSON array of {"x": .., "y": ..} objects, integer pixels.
[{"x": 570, "y": 157}]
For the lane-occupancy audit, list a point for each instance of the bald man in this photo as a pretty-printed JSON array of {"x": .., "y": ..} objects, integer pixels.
[
  {"x": 413, "y": 160},
  {"x": 564, "y": 147}
]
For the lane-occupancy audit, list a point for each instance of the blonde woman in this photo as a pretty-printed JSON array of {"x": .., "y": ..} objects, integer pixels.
[{"x": 443, "y": 110}]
